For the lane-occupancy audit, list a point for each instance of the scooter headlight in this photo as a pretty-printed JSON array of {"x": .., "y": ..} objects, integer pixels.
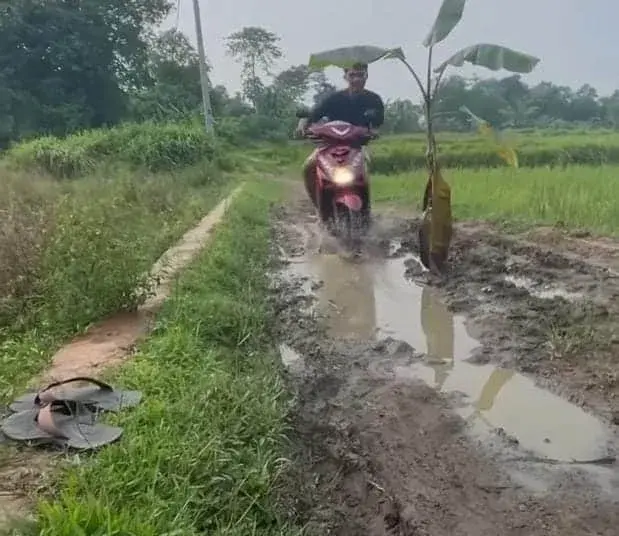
[{"x": 343, "y": 176}]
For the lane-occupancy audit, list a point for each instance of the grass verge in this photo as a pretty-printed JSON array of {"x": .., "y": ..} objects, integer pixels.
[
  {"x": 74, "y": 252},
  {"x": 201, "y": 454},
  {"x": 577, "y": 197}
]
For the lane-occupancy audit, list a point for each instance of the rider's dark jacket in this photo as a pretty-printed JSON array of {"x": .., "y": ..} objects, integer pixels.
[{"x": 350, "y": 107}]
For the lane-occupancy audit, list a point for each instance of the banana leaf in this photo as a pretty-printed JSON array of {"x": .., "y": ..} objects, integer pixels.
[
  {"x": 346, "y": 57},
  {"x": 493, "y": 57},
  {"x": 505, "y": 149},
  {"x": 448, "y": 17},
  {"x": 436, "y": 227}
]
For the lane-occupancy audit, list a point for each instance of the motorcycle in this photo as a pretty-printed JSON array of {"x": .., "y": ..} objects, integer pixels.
[{"x": 338, "y": 182}]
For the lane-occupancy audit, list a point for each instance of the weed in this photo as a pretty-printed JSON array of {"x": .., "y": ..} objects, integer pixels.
[
  {"x": 201, "y": 454},
  {"x": 155, "y": 147},
  {"x": 72, "y": 253}
]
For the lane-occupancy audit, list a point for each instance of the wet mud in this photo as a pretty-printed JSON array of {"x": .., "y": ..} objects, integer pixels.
[
  {"x": 541, "y": 307},
  {"x": 417, "y": 408}
]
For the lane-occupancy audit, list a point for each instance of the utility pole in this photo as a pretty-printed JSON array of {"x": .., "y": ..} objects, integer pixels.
[{"x": 206, "y": 98}]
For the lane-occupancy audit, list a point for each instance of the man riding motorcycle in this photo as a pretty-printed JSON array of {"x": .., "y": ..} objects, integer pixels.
[{"x": 353, "y": 105}]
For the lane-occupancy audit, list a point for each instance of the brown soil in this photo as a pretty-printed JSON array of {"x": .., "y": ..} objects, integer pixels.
[{"x": 379, "y": 452}]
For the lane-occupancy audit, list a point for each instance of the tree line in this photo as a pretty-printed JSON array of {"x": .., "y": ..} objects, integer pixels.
[{"x": 68, "y": 65}]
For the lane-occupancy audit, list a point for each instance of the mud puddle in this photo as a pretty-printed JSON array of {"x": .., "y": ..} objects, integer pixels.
[
  {"x": 370, "y": 299},
  {"x": 395, "y": 429}
]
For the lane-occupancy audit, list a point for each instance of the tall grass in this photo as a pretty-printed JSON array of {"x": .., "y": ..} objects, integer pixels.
[
  {"x": 73, "y": 252},
  {"x": 155, "y": 147},
  {"x": 201, "y": 454},
  {"x": 578, "y": 196},
  {"x": 158, "y": 147}
]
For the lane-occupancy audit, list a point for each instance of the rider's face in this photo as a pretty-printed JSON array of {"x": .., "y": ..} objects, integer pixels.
[{"x": 356, "y": 79}]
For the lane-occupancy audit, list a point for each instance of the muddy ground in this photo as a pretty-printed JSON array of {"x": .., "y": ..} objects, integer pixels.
[
  {"x": 412, "y": 420},
  {"x": 544, "y": 303}
]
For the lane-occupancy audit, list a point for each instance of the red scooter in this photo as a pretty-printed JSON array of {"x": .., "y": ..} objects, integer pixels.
[{"x": 338, "y": 183}]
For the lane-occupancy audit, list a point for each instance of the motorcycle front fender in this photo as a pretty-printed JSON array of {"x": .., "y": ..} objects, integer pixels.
[{"x": 350, "y": 200}]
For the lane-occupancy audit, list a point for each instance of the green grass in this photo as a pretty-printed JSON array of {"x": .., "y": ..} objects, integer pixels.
[
  {"x": 160, "y": 147},
  {"x": 578, "y": 197},
  {"x": 74, "y": 252},
  {"x": 156, "y": 147},
  {"x": 202, "y": 453}
]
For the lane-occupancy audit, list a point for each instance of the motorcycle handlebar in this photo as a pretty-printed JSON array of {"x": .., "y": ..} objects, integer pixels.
[{"x": 372, "y": 135}]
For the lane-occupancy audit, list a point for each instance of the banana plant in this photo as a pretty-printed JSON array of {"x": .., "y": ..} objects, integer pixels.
[
  {"x": 493, "y": 57},
  {"x": 436, "y": 229}
]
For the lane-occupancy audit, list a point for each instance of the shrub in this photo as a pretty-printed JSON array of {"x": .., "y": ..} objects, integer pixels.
[
  {"x": 73, "y": 252},
  {"x": 156, "y": 147}
]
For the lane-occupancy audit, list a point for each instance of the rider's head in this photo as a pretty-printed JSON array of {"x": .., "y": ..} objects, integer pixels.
[{"x": 356, "y": 76}]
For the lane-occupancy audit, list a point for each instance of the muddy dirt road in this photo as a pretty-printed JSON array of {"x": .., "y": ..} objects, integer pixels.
[{"x": 432, "y": 408}]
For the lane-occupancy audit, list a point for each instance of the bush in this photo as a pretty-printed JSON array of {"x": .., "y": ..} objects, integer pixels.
[
  {"x": 71, "y": 253},
  {"x": 156, "y": 147}
]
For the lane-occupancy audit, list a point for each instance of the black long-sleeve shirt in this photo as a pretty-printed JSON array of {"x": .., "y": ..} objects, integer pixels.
[{"x": 350, "y": 107}]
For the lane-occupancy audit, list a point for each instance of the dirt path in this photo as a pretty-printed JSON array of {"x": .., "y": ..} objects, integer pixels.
[{"x": 398, "y": 431}]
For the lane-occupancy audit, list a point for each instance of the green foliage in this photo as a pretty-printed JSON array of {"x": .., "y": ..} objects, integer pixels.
[
  {"x": 63, "y": 69},
  {"x": 535, "y": 148},
  {"x": 256, "y": 49},
  {"x": 493, "y": 57},
  {"x": 156, "y": 147},
  {"x": 74, "y": 252},
  {"x": 508, "y": 102},
  {"x": 202, "y": 453},
  {"x": 349, "y": 56},
  {"x": 577, "y": 197},
  {"x": 447, "y": 19}
]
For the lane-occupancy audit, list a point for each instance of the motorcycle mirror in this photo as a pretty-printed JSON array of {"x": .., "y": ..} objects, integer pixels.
[{"x": 303, "y": 113}]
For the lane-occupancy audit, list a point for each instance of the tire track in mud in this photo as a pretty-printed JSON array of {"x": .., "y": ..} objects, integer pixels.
[{"x": 377, "y": 453}]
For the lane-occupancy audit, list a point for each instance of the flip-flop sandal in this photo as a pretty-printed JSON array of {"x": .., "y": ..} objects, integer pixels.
[
  {"x": 60, "y": 422},
  {"x": 98, "y": 394}
]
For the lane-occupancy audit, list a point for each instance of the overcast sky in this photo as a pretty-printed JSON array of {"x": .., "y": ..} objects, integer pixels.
[{"x": 576, "y": 40}]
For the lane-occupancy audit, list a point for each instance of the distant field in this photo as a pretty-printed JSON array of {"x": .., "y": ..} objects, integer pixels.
[
  {"x": 552, "y": 148},
  {"x": 583, "y": 197},
  {"x": 535, "y": 148},
  {"x": 166, "y": 147},
  {"x": 571, "y": 175}
]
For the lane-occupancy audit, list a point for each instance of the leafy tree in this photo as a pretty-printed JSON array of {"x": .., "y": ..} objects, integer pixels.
[
  {"x": 66, "y": 65},
  {"x": 402, "y": 116},
  {"x": 172, "y": 90},
  {"x": 293, "y": 82},
  {"x": 257, "y": 50},
  {"x": 321, "y": 85}
]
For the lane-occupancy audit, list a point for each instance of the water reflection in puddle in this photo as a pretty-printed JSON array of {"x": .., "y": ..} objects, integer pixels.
[{"x": 372, "y": 299}]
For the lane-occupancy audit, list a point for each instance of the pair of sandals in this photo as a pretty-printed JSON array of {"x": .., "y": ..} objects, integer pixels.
[{"x": 67, "y": 416}]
